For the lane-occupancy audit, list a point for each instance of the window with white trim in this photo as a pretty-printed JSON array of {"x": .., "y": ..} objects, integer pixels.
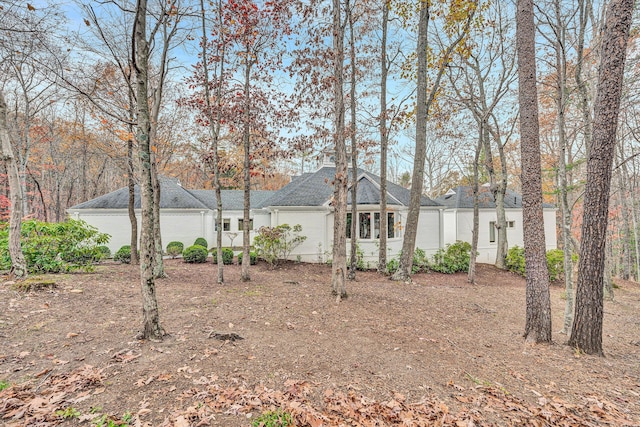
[
  {"x": 226, "y": 224},
  {"x": 368, "y": 225}
]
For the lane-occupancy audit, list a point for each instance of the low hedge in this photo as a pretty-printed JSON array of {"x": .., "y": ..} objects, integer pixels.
[{"x": 195, "y": 254}]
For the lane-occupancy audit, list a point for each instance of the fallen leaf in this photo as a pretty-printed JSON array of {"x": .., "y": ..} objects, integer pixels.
[
  {"x": 181, "y": 422},
  {"x": 72, "y": 334}
]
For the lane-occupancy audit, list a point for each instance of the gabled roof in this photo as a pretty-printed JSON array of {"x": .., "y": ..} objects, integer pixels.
[
  {"x": 172, "y": 196},
  {"x": 462, "y": 198},
  {"x": 316, "y": 189}
]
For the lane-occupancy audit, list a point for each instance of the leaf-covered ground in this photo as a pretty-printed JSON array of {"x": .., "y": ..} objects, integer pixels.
[{"x": 437, "y": 351}]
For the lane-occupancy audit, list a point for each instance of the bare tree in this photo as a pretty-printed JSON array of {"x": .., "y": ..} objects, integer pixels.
[
  {"x": 426, "y": 96},
  {"x": 215, "y": 121},
  {"x": 485, "y": 79},
  {"x": 339, "y": 260},
  {"x": 18, "y": 263},
  {"x": 586, "y": 332},
  {"x": 151, "y": 328},
  {"x": 384, "y": 139}
]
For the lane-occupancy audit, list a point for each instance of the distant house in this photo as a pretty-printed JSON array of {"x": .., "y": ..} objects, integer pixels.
[
  {"x": 307, "y": 200},
  {"x": 458, "y": 220},
  {"x": 185, "y": 214}
]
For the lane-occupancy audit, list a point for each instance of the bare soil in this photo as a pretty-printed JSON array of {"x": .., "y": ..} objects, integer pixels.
[{"x": 437, "y": 351}]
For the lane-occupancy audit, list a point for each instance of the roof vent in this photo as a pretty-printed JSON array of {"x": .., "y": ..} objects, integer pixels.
[
  {"x": 450, "y": 192},
  {"x": 179, "y": 183}
]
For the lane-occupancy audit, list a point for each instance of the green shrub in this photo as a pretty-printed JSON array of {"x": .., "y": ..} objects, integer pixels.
[
  {"x": 275, "y": 243},
  {"x": 273, "y": 419},
  {"x": 515, "y": 260},
  {"x": 361, "y": 264},
  {"x": 123, "y": 255},
  {"x": 392, "y": 266},
  {"x": 555, "y": 262},
  {"x": 55, "y": 247},
  {"x": 253, "y": 258},
  {"x": 174, "y": 249},
  {"x": 453, "y": 258},
  {"x": 227, "y": 256},
  {"x": 105, "y": 252},
  {"x": 420, "y": 261},
  {"x": 201, "y": 241},
  {"x": 195, "y": 254}
]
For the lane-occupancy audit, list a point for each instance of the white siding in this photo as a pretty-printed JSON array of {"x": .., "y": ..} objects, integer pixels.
[
  {"x": 450, "y": 226},
  {"x": 461, "y": 221},
  {"x": 428, "y": 237},
  {"x": 182, "y": 226},
  {"x": 313, "y": 227}
]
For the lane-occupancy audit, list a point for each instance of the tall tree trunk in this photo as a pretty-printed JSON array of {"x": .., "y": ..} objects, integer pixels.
[
  {"x": 135, "y": 259},
  {"x": 586, "y": 333},
  {"x": 424, "y": 100},
  {"x": 417, "y": 180},
  {"x": 246, "y": 139},
  {"x": 18, "y": 263},
  {"x": 584, "y": 10},
  {"x": 339, "y": 252},
  {"x": 634, "y": 222},
  {"x": 607, "y": 281},
  {"x": 497, "y": 189},
  {"x": 471, "y": 277},
  {"x": 214, "y": 127},
  {"x": 561, "y": 88},
  {"x": 151, "y": 328},
  {"x": 353, "y": 259},
  {"x": 158, "y": 262},
  {"x": 384, "y": 140},
  {"x": 625, "y": 235},
  {"x": 24, "y": 162},
  {"x": 538, "y": 316}
]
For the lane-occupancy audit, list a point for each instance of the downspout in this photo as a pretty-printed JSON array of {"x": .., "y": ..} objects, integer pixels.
[
  {"x": 441, "y": 228},
  {"x": 326, "y": 232},
  {"x": 202, "y": 224}
]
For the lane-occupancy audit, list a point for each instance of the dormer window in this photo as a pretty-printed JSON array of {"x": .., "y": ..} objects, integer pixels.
[{"x": 329, "y": 158}]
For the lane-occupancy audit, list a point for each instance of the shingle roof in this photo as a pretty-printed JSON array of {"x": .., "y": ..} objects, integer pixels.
[
  {"x": 232, "y": 200},
  {"x": 311, "y": 189},
  {"x": 316, "y": 189},
  {"x": 172, "y": 196},
  {"x": 462, "y": 198}
]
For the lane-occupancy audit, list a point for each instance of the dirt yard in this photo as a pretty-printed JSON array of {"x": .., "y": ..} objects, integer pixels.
[{"x": 437, "y": 351}]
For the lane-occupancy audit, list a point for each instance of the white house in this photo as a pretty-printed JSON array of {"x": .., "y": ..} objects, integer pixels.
[
  {"x": 188, "y": 214},
  {"x": 458, "y": 220},
  {"x": 185, "y": 214},
  {"x": 306, "y": 200}
]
